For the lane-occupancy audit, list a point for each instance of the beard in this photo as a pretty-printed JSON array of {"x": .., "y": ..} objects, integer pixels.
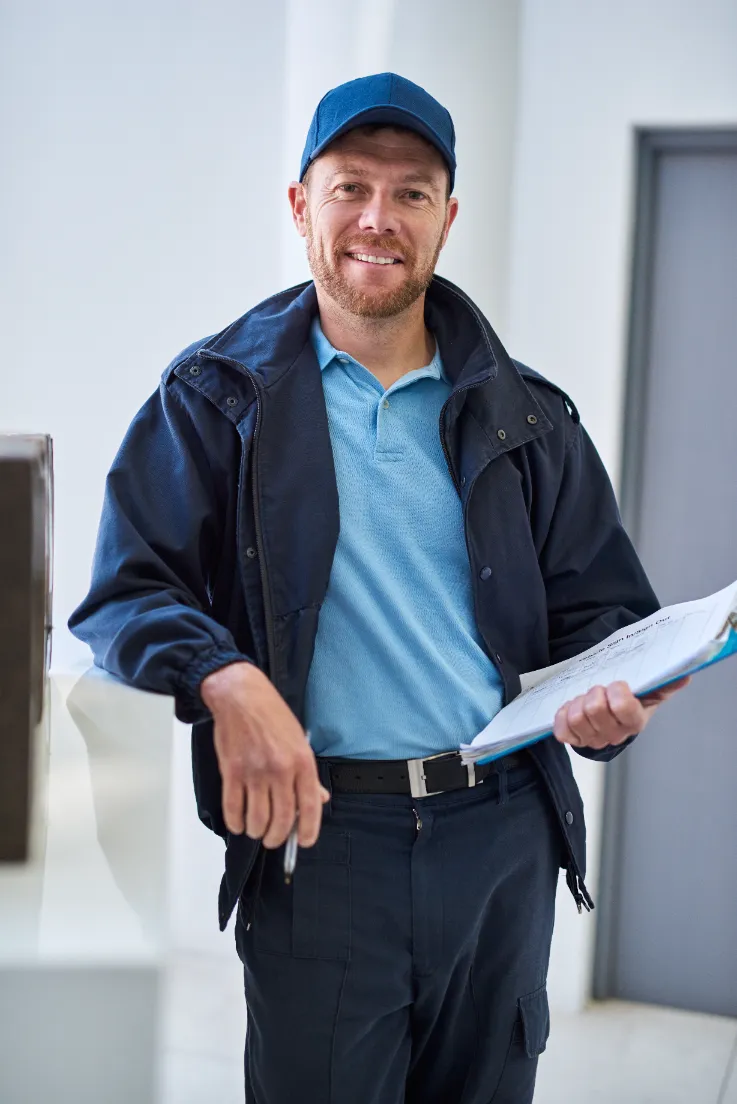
[{"x": 326, "y": 268}]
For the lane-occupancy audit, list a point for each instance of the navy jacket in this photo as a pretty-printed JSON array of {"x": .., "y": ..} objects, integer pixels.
[{"x": 220, "y": 521}]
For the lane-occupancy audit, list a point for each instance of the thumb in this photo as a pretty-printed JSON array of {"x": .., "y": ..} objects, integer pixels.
[{"x": 324, "y": 794}]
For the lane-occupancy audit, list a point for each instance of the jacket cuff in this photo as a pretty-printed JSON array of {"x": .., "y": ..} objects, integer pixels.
[
  {"x": 188, "y": 704},
  {"x": 605, "y": 754}
]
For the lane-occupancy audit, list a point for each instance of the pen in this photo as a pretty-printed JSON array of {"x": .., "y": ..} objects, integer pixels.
[{"x": 290, "y": 850}]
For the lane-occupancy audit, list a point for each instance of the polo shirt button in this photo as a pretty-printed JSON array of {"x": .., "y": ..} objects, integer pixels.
[
  {"x": 569, "y": 817},
  {"x": 485, "y": 572},
  {"x": 501, "y": 434},
  {"x": 463, "y": 481},
  {"x": 532, "y": 419},
  {"x": 385, "y": 403},
  {"x": 251, "y": 552}
]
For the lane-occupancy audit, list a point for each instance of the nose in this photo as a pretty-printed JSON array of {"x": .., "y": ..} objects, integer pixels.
[{"x": 379, "y": 214}]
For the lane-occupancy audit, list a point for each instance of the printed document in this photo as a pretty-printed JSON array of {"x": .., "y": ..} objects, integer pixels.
[{"x": 676, "y": 641}]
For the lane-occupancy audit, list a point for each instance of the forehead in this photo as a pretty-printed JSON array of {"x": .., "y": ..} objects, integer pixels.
[{"x": 385, "y": 147}]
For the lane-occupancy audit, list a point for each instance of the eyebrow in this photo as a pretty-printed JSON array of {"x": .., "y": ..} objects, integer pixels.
[{"x": 414, "y": 177}]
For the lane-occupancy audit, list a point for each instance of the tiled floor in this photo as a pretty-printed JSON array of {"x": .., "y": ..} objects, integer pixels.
[
  {"x": 614, "y": 1053},
  {"x": 618, "y": 1053}
]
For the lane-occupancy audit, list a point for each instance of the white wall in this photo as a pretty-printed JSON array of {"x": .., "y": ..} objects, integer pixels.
[
  {"x": 141, "y": 164},
  {"x": 589, "y": 73}
]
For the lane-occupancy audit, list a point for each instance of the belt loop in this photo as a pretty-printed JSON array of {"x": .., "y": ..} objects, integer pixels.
[{"x": 503, "y": 791}]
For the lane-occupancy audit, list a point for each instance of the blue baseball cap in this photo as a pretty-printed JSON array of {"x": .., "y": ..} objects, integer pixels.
[{"x": 382, "y": 98}]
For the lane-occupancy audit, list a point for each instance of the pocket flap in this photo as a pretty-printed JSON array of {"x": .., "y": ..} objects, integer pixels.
[
  {"x": 535, "y": 1016},
  {"x": 331, "y": 847}
]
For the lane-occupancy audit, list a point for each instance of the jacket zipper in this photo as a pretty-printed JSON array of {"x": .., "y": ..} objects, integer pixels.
[
  {"x": 464, "y": 503},
  {"x": 247, "y": 917},
  {"x": 265, "y": 586},
  {"x": 574, "y": 880},
  {"x": 266, "y": 592},
  {"x": 466, "y": 387}
]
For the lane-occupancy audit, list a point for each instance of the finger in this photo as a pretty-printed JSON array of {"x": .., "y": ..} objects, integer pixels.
[
  {"x": 561, "y": 728},
  {"x": 310, "y": 799},
  {"x": 233, "y": 804},
  {"x": 579, "y": 725},
  {"x": 628, "y": 711},
  {"x": 283, "y": 813},
  {"x": 596, "y": 709},
  {"x": 258, "y": 810}
]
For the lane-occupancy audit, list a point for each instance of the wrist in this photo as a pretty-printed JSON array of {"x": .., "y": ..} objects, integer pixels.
[{"x": 219, "y": 684}]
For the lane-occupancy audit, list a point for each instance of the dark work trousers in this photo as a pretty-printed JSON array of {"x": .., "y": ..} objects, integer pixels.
[{"x": 407, "y": 962}]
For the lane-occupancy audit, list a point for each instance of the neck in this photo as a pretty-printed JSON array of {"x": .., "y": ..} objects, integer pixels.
[{"x": 387, "y": 347}]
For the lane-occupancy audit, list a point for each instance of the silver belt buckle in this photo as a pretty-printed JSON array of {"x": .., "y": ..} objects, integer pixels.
[{"x": 418, "y": 780}]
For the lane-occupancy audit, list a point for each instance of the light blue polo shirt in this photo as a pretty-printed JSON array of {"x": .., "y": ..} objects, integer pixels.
[{"x": 399, "y": 670}]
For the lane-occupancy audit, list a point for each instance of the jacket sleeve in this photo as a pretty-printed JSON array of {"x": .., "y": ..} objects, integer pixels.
[
  {"x": 594, "y": 580},
  {"x": 146, "y": 614}
]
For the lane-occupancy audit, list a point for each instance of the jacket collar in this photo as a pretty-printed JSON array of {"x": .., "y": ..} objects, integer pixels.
[{"x": 271, "y": 338}]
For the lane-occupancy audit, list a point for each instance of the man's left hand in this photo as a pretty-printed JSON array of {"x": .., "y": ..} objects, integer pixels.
[{"x": 609, "y": 714}]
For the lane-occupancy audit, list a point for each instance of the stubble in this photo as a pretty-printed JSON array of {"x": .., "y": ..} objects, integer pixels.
[{"x": 327, "y": 268}]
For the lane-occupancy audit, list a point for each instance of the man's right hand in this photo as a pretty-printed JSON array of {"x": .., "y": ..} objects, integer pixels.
[{"x": 266, "y": 764}]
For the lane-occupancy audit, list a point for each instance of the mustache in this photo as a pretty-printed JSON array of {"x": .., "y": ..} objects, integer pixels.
[{"x": 387, "y": 244}]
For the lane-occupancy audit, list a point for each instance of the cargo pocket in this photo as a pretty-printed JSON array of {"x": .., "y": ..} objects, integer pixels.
[
  {"x": 529, "y": 1036},
  {"x": 535, "y": 1018},
  {"x": 311, "y": 918}
]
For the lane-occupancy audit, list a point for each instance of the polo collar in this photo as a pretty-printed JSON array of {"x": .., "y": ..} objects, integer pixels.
[{"x": 326, "y": 352}]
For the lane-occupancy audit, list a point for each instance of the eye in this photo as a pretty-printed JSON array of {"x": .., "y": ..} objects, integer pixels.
[
  {"x": 416, "y": 195},
  {"x": 347, "y": 186}
]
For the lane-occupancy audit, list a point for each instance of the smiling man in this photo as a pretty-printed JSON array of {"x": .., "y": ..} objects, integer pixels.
[{"x": 352, "y": 514}]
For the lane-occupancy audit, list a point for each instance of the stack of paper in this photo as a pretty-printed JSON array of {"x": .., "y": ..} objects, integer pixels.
[{"x": 676, "y": 641}]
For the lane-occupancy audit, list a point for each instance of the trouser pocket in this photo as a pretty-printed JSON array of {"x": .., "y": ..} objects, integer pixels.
[
  {"x": 311, "y": 917},
  {"x": 528, "y": 1041},
  {"x": 534, "y": 1017}
]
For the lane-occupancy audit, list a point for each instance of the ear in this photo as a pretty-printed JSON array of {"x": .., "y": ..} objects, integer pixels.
[
  {"x": 450, "y": 216},
  {"x": 298, "y": 203}
]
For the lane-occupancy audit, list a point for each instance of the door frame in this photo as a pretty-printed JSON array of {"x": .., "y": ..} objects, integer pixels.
[{"x": 650, "y": 144}]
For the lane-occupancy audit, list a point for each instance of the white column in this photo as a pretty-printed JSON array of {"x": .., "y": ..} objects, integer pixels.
[
  {"x": 465, "y": 56},
  {"x": 327, "y": 43}
]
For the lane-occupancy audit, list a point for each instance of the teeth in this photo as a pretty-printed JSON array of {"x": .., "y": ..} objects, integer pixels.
[{"x": 373, "y": 260}]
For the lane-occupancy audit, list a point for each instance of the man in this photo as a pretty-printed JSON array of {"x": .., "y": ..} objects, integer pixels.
[{"x": 350, "y": 513}]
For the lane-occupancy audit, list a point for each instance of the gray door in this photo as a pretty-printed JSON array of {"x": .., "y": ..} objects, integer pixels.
[{"x": 669, "y": 885}]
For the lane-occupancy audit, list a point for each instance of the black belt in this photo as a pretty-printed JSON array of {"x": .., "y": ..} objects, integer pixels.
[{"x": 418, "y": 777}]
